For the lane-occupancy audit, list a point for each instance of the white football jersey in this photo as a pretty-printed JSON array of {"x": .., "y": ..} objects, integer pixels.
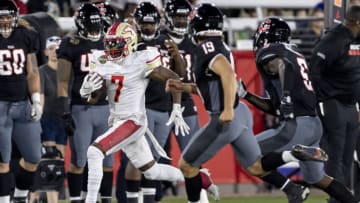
[{"x": 126, "y": 81}]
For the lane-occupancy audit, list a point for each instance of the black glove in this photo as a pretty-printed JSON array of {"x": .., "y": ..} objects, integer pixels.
[
  {"x": 286, "y": 107},
  {"x": 68, "y": 123}
]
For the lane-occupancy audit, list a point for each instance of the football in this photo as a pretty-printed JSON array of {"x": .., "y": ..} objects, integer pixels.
[{"x": 99, "y": 92}]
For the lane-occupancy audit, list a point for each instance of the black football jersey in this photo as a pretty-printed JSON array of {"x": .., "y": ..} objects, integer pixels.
[
  {"x": 13, "y": 53},
  {"x": 186, "y": 49},
  {"x": 78, "y": 50},
  {"x": 296, "y": 80},
  {"x": 208, "y": 82},
  {"x": 155, "y": 96}
]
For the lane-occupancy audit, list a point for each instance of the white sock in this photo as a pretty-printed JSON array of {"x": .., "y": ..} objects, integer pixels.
[
  {"x": 288, "y": 157},
  {"x": 20, "y": 193},
  {"x": 163, "y": 172},
  {"x": 95, "y": 174},
  {"x": 83, "y": 195},
  {"x": 5, "y": 199},
  {"x": 203, "y": 196}
]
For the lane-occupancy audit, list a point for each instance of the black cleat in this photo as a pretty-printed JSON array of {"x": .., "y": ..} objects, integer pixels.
[
  {"x": 305, "y": 153},
  {"x": 299, "y": 195}
]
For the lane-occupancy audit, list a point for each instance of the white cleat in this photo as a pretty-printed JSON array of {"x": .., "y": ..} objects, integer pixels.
[{"x": 209, "y": 185}]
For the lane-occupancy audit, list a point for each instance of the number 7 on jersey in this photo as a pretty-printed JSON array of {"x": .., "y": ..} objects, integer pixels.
[{"x": 118, "y": 80}]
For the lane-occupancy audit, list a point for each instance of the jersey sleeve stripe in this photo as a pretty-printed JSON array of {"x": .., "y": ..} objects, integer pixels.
[{"x": 153, "y": 63}]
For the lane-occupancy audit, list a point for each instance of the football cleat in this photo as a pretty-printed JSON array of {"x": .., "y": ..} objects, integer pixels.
[
  {"x": 305, "y": 153},
  {"x": 208, "y": 184},
  {"x": 299, "y": 195}
]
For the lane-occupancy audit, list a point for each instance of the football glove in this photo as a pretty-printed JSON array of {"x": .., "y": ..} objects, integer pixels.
[
  {"x": 241, "y": 89},
  {"x": 36, "y": 107},
  {"x": 286, "y": 107},
  {"x": 92, "y": 82},
  {"x": 177, "y": 118}
]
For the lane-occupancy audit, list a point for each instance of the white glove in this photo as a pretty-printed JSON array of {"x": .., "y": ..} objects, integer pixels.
[
  {"x": 177, "y": 118},
  {"x": 92, "y": 82},
  {"x": 241, "y": 89},
  {"x": 36, "y": 107}
]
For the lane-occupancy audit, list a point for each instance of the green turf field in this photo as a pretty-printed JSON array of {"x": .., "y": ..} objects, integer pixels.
[{"x": 252, "y": 199}]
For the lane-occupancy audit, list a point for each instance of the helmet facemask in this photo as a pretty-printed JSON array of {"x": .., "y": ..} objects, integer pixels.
[
  {"x": 89, "y": 22},
  {"x": 7, "y": 22},
  {"x": 115, "y": 48},
  {"x": 93, "y": 28},
  {"x": 148, "y": 30},
  {"x": 178, "y": 23},
  {"x": 147, "y": 19}
]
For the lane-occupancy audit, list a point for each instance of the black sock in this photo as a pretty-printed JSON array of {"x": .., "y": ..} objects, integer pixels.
[
  {"x": 193, "y": 188},
  {"x": 74, "y": 184},
  {"x": 339, "y": 192},
  {"x": 149, "y": 189},
  {"x": 85, "y": 179},
  {"x": 106, "y": 185},
  {"x": 271, "y": 161},
  {"x": 5, "y": 186},
  {"x": 275, "y": 178},
  {"x": 24, "y": 179},
  {"x": 132, "y": 186}
]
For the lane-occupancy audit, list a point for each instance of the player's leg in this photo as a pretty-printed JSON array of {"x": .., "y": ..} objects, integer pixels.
[
  {"x": 26, "y": 135},
  {"x": 120, "y": 179},
  {"x": 79, "y": 144},
  {"x": 205, "y": 143},
  {"x": 6, "y": 125},
  {"x": 193, "y": 123},
  {"x": 157, "y": 125},
  {"x": 247, "y": 152},
  {"x": 100, "y": 115},
  {"x": 53, "y": 135},
  {"x": 119, "y": 135}
]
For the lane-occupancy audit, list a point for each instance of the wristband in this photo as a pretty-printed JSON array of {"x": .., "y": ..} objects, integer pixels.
[{"x": 35, "y": 97}]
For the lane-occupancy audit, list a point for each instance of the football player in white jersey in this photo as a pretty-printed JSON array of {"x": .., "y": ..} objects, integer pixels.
[{"x": 126, "y": 74}]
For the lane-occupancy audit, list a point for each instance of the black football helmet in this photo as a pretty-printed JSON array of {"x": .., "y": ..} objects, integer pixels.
[
  {"x": 88, "y": 20},
  {"x": 8, "y": 17},
  {"x": 206, "y": 20},
  {"x": 146, "y": 12},
  {"x": 176, "y": 16},
  {"x": 271, "y": 30},
  {"x": 109, "y": 14}
]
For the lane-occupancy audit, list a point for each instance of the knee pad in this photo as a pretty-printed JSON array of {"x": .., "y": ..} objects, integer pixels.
[
  {"x": 94, "y": 153},
  {"x": 95, "y": 160}
]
